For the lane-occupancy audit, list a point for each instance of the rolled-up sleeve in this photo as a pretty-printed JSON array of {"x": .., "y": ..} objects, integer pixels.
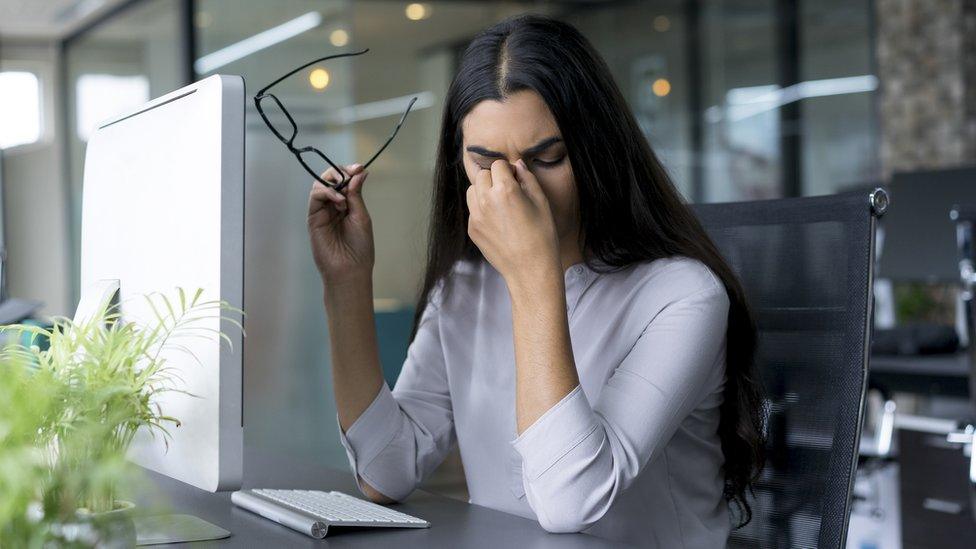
[
  {"x": 577, "y": 457},
  {"x": 406, "y": 432}
]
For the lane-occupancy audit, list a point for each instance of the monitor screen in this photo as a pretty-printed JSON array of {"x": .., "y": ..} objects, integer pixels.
[{"x": 919, "y": 238}]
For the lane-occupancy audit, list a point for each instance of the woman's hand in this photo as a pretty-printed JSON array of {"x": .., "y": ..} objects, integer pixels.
[
  {"x": 340, "y": 229},
  {"x": 511, "y": 223}
]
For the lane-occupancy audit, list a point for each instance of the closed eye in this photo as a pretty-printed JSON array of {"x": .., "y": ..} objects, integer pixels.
[
  {"x": 548, "y": 163},
  {"x": 486, "y": 163}
]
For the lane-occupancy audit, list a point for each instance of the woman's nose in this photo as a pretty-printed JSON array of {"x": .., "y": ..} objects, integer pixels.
[{"x": 511, "y": 163}]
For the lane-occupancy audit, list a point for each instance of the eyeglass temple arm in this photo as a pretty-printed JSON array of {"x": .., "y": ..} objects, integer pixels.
[
  {"x": 345, "y": 181},
  {"x": 306, "y": 65},
  {"x": 392, "y": 135}
]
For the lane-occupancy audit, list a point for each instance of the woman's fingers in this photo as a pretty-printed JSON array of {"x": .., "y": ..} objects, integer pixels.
[
  {"x": 330, "y": 193},
  {"x": 474, "y": 204},
  {"x": 321, "y": 197},
  {"x": 501, "y": 175},
  {"x": 321, "y": 213},
  {"x": 333, "y": 176},
  {"x": 354, "y": 192},
  {"x": 482, "y": 186},
  {"x": 526, "y": 179}
]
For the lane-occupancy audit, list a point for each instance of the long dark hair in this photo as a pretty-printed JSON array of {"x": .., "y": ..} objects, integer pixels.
[{"x": 629, "y": 212}]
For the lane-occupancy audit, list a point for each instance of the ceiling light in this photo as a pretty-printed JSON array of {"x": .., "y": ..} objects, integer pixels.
[
  {"x": 339, "y": 38},
  {"x": 258, "y": 42},
  {"x": 661, "y": 87},
  {"x": 746, "y": 102},
  {"x": 417, "y": 11},
  {"x": 319, "y": 78},
  {"x": 379, "y": 109}
]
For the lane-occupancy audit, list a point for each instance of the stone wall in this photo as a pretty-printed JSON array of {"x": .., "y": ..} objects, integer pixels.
[{"x": 926, "y": 55}]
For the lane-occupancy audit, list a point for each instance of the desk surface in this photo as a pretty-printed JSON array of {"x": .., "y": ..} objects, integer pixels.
[{"x": 454, "y": 523}]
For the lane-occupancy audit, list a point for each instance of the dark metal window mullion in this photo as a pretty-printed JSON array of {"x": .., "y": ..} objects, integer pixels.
[
  {"x": 696, "y": 80},
  {"x": 188, "y": 40},
  {"x": 787, "y": 17}
]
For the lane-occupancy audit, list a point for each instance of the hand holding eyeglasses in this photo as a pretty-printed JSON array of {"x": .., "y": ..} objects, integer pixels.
[
  {"x": 283, "y": 126},
  {"x": 340, "y": 228},
  {"x": 338, "y": 223}
]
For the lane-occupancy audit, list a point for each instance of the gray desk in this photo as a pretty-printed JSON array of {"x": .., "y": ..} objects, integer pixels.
[{"x": 454, "y": 524}]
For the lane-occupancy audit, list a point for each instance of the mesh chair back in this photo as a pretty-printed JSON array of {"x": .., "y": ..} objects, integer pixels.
[{"x": 806, "y": 265}]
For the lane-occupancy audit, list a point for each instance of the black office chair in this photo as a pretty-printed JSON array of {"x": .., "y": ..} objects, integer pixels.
[{"x": 807, "y": 268}]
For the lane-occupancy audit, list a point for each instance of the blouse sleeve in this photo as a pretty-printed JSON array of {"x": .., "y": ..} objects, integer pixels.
[
  {"x": 406, "y": 433},
  {"x": 577, "y": 457}
]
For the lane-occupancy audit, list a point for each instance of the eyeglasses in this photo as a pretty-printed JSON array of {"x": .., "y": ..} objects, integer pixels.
[{"x": 286, "y": 130}]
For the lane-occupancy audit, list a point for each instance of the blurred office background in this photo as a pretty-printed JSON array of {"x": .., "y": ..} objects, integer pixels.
[{"x": 742, "y": 99}]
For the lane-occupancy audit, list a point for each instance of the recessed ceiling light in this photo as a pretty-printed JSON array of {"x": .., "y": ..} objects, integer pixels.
[
  {"x": 661, "y": 87},
  {"x": 417, "y": 11},
  {"x": 662, "y": 23},
  {"x": 319, "y": 78},
  {"x": 339, "y": 38}
]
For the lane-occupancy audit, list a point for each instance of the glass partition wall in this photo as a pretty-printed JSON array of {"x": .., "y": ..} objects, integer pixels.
[
  {"x": 347, "y": 107},
  {"x": 130, "y": 57},
  {"x": 741, "y": 99}
]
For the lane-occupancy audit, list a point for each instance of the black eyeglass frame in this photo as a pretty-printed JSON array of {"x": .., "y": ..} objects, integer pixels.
[{"x": 263, "y": 94}]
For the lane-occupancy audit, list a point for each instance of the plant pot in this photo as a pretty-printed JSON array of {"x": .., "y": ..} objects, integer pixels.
[{"x": 107, "y": 530}]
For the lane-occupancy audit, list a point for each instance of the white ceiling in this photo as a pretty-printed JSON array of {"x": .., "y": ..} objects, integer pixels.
[{"x": 48, "y": 19}]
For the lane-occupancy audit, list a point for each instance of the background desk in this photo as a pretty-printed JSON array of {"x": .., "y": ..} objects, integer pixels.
[
  {"x": 454, "y": 524},
  {"x": 929, "y": 469},
  {"x": 945, "y": 375}
]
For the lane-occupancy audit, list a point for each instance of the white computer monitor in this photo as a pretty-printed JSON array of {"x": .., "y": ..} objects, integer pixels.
[{"x": 163, "y": 207}]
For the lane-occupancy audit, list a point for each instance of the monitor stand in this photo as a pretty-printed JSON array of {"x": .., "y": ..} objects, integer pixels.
[
  {"x": 149, "y": 529},
  {"x": 158, "y": 529}
]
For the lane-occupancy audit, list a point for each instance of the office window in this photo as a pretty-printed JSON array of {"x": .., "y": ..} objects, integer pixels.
[
  {"x": 20, "y": 108},
  {"x": 740, "y": 155},
  {"x": 101, "y": 96},
  {"x": 840, "y": 131},
  {"x": 644, "y": 46}
]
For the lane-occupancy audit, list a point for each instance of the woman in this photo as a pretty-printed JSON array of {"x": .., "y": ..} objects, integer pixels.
[{"x": 577, "y": 335}]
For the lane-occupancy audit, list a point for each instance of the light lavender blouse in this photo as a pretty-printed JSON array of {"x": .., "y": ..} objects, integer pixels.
[{"x": 631, "y": 455}]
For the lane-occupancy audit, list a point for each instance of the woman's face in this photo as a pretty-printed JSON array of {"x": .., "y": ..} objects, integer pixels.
[{"x": 523, "y": 127}]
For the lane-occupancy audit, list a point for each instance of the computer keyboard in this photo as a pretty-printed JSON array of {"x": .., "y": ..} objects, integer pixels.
[{"x": 312, "y": 512}]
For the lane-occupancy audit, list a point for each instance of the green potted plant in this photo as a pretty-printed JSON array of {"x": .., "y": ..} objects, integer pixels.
[{"x": 69, "y": 412}]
